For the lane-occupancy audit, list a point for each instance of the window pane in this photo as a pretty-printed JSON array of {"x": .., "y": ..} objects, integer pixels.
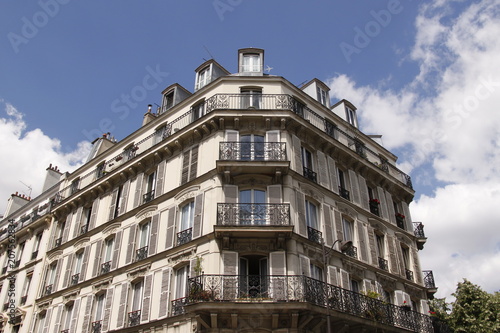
[{"x": 187, "y": 216}]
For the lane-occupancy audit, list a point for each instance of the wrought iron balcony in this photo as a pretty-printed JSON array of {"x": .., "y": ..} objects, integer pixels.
[
  {"x": 374, "y": 207},
  {"x": 96, "y": 326},
  {"x": 84, "y": 229},
  {"x": 105, "y": 267},
  {"x": 252, "y": 151},
  {"x": 429, "y": 280},
  {"x": 141, "y": 253},
  {"x": 344, "y": 193},
  {"x": 34, "y": 255},
  {"x": 147, "y": 197},
  {"x": 134, "y": 318},
  {"x": 5, "y": 306},
  {"x": 184, "y": 236},
  {"x": 409, "y": 274},
  {"x": 314, "y": 235},
  {"x": 418, "y": 230},
  {"x": 351, "y": 251},
  {"x": 23, "y": 299},
  {"x": 309, "y": 174},
  {"x": 75, "y": 278},
  {"x": 298, "y": 288},
  {"x": 383, "y": 264},
  {"x": 400, "y": 221},
  {"x": 58, "y": 242},
  {"x": 48, "y": 290},
  {"x": 248, "y": 214}
]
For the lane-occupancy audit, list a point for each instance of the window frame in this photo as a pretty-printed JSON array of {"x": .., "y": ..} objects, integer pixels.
[{"x": 203, "y": 77}]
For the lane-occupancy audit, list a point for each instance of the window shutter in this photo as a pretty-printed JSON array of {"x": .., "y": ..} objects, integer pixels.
[
  {"x": 372, "y": 241},
  {"x": 407, "y": 298},
  {"x": 232, "y": 136},
  {"x": 165, "y": 285},
  {"x": 406, "y": 212},
  {"x": 398, "y": 297},
  {"x": 367, "y": 285},
  {"x": 230, "y": 261},
  {"x": 170, "y": 228},
  {"x": 93, "y": 217},
  {"x": 379, "y": 289},
  {"x": 333, "y": 174},
  {"x": 328, "y": 225},
  {"x": 76, "y": 312},
  {"x": 154, "y": 235},
  {"x": 424, "y": 306},
  {"x": 185, "y": 167},
  {"x": 322, "y": 170},
  {"x": 131, "y": 244},
  {"x": 46, "y": 323},
  {"x": 362, "y": 241},
  {"x": 193, "y": 169},
  {"x": 416, "y": 267},
  {"x": 231, "y": 193},
  {"x": 77, "y": 224},
  {"x": 88, "y": 313},
  {"x": 57, "y": 326},
  {"x": 338, "y": 224},
  {"x": 160, "y": 178},
  {"x": 83, "y": 271},
  {"x": 273, "y": 136},
  {"x": 192, "y": 264},
  {"x": 297, "y": 155},
  {"x": 301, "y": 213},
  {"x": 383, "y": 203},
  {"x": 124, "y": 197},
  {"x": 122, "y": 308},
  {"x": 392, "y": 254},
  {"x": 117, "y": 249},
  {"x": 98, "y": 258},
  {"x": 277, "y": 265},
  {"x": 274, "y": 194},
  {"x": 333, "y": 276},
  {"x": 67, "y": 226},
  {"x": 399, "y": 253},
  {"x": 146, "y": 303},
  {"x": 107, "y": 309},
  {"x": 53, "y": 234},
  {"x": 363, "y": 191},
  {"x": 354, "y": 187},
  {"x": 344, "y": 278},
  {"x": 113, "y": 196},
  {"x": 198, "y": 215},
  {"x": 67, "y": 274},
  {"x": 138, "y": 190},
  {"x": 390, "y": 208},
  {"x": 305, "y": 265}
]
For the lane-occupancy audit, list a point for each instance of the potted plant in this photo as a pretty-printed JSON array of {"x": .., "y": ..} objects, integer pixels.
[{"x": 406, "y": 306}]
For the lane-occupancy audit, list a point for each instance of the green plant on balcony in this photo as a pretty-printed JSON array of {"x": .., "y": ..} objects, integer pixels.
[
  {"x": 197, "y": 294},
  {"x": 198, "y": 268}
]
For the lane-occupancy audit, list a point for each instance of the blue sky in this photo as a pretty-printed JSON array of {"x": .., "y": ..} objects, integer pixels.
[{"x": 424, "y": 74}]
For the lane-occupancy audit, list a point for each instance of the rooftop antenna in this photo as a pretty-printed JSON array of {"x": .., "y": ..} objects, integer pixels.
[
  {"x": 301, "y": 84},
  {"x": 210, "y": 54},
  {"x": 29, "y": 188}
]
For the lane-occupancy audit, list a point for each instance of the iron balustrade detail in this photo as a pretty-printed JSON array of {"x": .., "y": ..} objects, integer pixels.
[
  {"x": 34, "y": 255},
  {"x": 374, "y": 208},
  {"x": 252, "y": 151},
  {"x": 245, "y": 214},
  {"x": 429, "y": 280},
  {"x": 141, "y": 253},
  {"x": 418, "y": 229},
  {"x": 409, "y": 274},
  {"x": 58, "y": 242},
  {"x": 383, "y": 264},
  {"x": 23, "y": 299},
  {"x": 48, "y": 290},
  {"x": 84, "y": 229},
  {"x": 134, "y": 318},
  {"x": 344, "y": 193},
  {"x": 351, "y": 251},
  {"x": 96, "y": 326},
  {"x": 75, "y": 278},
  {"x": 400, "y": 221},
  {"x": 314, "y": 235},
  {"x": 184, "y": 236},
  {"x": 147, "y": 197},
  {"x": 105, "y": 267},
  {"x": 309, "y": 174},
  {"x": 299, "y": 288}
]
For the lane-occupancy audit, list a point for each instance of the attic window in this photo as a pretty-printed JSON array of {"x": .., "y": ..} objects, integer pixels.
[
  {"x": 168, "y": 100},
  {"x": 203, "y": 77},
  {"x": 251, "y": 63}
]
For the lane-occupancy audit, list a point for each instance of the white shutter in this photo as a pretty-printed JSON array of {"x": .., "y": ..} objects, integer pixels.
[
  {"x": 232, "y": 136},
  {"x": 198, "y": 216},
  {"x": 333, "y": 275},
  {"x": 274, "y": 194},
  {"x": 301, "y": 213},
  {"x": 230, "y": 193},
  {"x": 332, "y": 168},
  {"x": 164, "y": 291},
  {"x": 329, "y": 236},
  {"x": 322, "y": 170},
  {"x": 353, "y": 179},
  {"x": 363, "y": 190},
  {"x": 344, "y": 279},
  {"x": 305, "y": 265},
  {"x": 383, "y": 203}
]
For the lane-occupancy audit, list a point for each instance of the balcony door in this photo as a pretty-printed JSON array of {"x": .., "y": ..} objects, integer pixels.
[
  {"x": 253, "y": 276},
  {"x": 252, "y": 147},
  {"x": 251, "y": 98},
  {"x": 252, "y": 207}
]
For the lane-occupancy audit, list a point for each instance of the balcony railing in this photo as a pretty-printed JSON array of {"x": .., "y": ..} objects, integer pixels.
[
  {"x": 75, "y": 278},
  {"x": 429, "y": 280},
  {"x": 309, "y": 174},
  {"x": 314, "y": 235},
  {"x": 351, "y": 251},
  {"x": 147, "y": 197},
  {"x": 134, "y": 318},
  {"x": 236, "y": 102},
  {"x": 252, "y": 151},
  {"x": 65, "y": 331},
  {"x": 184, "y": 236},
  {"x": 96, "y": 326},
  {"x": 141, "y": 253},
  {"x": 58, "y": 242},
  {"x": 299, "y": 288},
  {"x": 418, "y": 229},
  {"x": 17, "y": 263},
  {"x": 247, "y": 214},
  {"x": 374, "y": 207},
  {"x": 382, "y": 264},
  {"x": 400, "y": 221},
  {"x": 409, "y": 274},
  {"x": 105, "y": 267},
  {"x": 344, "y": 193},
  {"x": 178, "y": 306},
  {"x": 34, "y": 255},
  {"x": 23, "y": 299},
  {"x": 48, "y": 290},
  {"x": 84, "y": 229}
]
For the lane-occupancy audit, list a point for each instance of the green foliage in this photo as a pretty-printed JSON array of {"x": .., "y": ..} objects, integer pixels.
[
  {"x": 198, "y": 268},
  {"x": 439, "y": 308}
]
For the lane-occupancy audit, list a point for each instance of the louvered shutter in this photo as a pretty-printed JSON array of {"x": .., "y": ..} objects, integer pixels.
[
  {"x": 113, "y": 200},
  {"x": 301, "y": 213},
  {"x": 138, "y": 190},
  {"x": 185, "y": 167},
  {"x": 153, "y": 239},
  {"x": 230, "y": 261},
  {"x": 164, "y": 292},
  {"x": 193, "y": 168},
  {"x": 406, "y": 212},
  {"x": 77, "y": 223},
  {"x": 399, "y": 297},
  {"x": 57, "y": 326},
  {"x": 333, "y": 276},
  {"x": 58, "y": 273},
  {"x": 117, "y": 249},
  {"x": 297, "y": 155},
  {"x": 273, "y": 136},
  {"x": 107, "y": 308},
  {"x": 83, "y": 271},
  {"x": 399, "y": 253},
  {"x": 353, "y": 179},
  {"x": 390, "y": 208},
  {"x": 67, "y": 226},
  {"x": 122, "y": 308},
  {"x": 424, "y": 306},
  {"x": 146, "y": 303},
  {"x": 87, "y": 315},
  {"x": 131, "y": 244},
  {"x": 97, "y": 258},
  {"x": 198, "y": 215},
  {"x": 305, "y": 265},
  {"x": 367, "y": 285},
  {"x": 69, "y": 266},
  {"x": 231, "y": 193},
  {"x": 329, "y": 237},
  {"x": 277, "y": 265},
  {"x": 416, "y": 267},
  {"x": 344, "y": 278},
  {"x": 332, "y": 168},
  {"x": 383, "y": 203},
  {"x": 372, "y": 243},
  {"x": 170, "y": 228},
  {"x": 232, "y": 136},
  {"x": 363, "y": 191},
  {"x": 124, "y": 197},
  {"x": 46, "y": 323},
  {"x": 392, "y": 255},
  {"x": 93, "y": 217},
  {"x": 76, "y": 312},
  {"x": 322, "y": 170},
  {"x": 338, "y": 225},
  {"x": 362, "y": 242},
  {"x": 160, "y": 178},
  {"x": 274, "y": 194}
]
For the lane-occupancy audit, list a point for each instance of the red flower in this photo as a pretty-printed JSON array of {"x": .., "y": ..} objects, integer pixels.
[{"x": 377, "y": 201}]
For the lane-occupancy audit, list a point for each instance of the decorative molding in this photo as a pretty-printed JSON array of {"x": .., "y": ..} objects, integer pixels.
[
  {"x": 138, "y": 272},
  {"x": 146, "y": 212},
  {"x": 182, "y": 256},
  {"x": 187, "y": 193},
  {"x": 111, "y": 229},
  {"x": 81, "y": 243}
]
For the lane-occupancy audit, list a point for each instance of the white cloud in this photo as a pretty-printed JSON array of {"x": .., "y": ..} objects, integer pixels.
[
  {"x": 27, "y": 154},
  {"x": 448, "y": 118}
]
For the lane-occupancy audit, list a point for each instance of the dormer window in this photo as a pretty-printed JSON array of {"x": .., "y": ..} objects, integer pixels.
[
  {"x": 350, "y": 116},
  {"x": 203, "y": 77},
  {"x": 168, "y": 100},
  {"x": 251, "y": 61},
  {"x": 321, "y": 95}
]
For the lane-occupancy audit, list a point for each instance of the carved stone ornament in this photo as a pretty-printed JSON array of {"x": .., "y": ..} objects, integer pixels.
[
  {"x": 101, "y": 284},
  {"x": 182, "y": 256},
  {"x": 138, "y": 272},
  {"x": 387, "y": 282}
]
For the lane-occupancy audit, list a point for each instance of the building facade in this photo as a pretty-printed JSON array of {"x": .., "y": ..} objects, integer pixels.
[{"x": 250, "y": 205}]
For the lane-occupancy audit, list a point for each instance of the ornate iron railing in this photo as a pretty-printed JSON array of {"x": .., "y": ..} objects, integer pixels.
[
  {"x": 147, "y": 197},
  {"x": 374, "y": 208},
  {"x": 178, "y": 306},
  {"x": 382, "y": 264},
  {"x": 48, "y": 290},
  {"x": 252, "y": 151},
  {"x": 23, "y": 299},
  {"x": 409, "y": 274},
  {"x": 84, "y": 229},
  {"x": 418, "y": 229},
  {"x": 314, "y": 235},
  {"x": 184, "y": 236},
  {"x": 299, "y": 288},
  {"x": 105, "y": 267},
  {"x": 34, "y": 255},
  {"x": 96, "y": 326},
  {"x": 134, "y": 318},
  {"x": 344, "y": 193},
  {"x": 351, "y": 251},
  {"x": 429, "y": 279},
  {"x": 58, "y": 242},
  {"x": 309, "y": 174},
  {"x": 17, "y": 263},
  {"x": 245, "y": 214},
  {"x": 75, "y": 278},
  {"x": 141, "y": 253}
]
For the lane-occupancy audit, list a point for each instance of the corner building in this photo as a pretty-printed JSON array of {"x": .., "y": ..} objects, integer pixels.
[{"x": 250, "y": 205}]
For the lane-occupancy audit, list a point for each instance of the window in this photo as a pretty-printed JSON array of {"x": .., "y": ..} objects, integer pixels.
[
  {"x": 312, "y": 222},
  {"x": 348, "y": 230},
  {"x": 99, "y": 172},
  {"x": 66, "y": 322},
  {"x": 350, "y": 116},
  {"x": 252, "y": 204},
  {"x": 119, "y": 201},
  {"x": 50, "y": 279},
  {"x": 168, "y": 100},
  {"x": 344, "y": 193},
  {"x": 203, "y": 77},
  {"x": 186, "y": 223},
  {"x": 373, "y": 202},
  {"x": 40, "y": 323},
  {"x": 251, "y": 98},
  {"x": 150, "y": 187},
  {"x": 107, "y": 255},
  {"x": 86, "y": 215},
  {"x": 160, "y": 134},
  {"x": 77, "y": 269},
  {"x": 406, "y": 262},
  {"x": 129, "y": 152},
  {"x": 253, "y": 279},
  {"x": 99, "y": 312},
  {"x": 180, "y": 281},
  {"x": 75, "y": 186},
  {"x": 252, "y": 147},
  {"x": 321, "y": 96},
  {"x": 19, "y": 254},
  {"x": 198, "y": 110},
  {"x": 36, "y": 245},
  {"x": 251, "y": 63},
  {"x": 26, "y": 288},
  {"x": 307, "y": 164},
  {"x": 136, "y": 303},
  {"x": 316, "y": 272},
  {"x": 382, "y": 262},
  {"x": 142, "y": 250}
]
